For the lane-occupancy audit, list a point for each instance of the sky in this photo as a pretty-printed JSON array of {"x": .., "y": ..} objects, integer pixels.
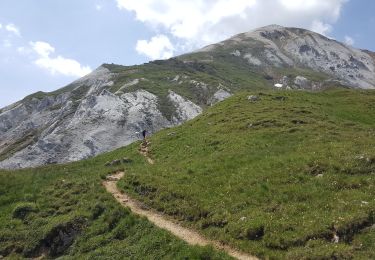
[{"x": 45, "y": 45}]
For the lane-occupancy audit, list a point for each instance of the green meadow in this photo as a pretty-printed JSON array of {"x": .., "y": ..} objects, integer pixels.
[{"x": 281, "y": 177}]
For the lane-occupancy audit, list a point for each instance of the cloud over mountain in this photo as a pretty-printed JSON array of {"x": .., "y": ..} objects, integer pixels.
[
  {"x": 59, "y": 64},
  {"x": 193, "y": 23}
]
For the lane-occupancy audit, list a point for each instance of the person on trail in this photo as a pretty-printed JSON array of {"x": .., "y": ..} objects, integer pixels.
[{"x": 144, "y": 132}]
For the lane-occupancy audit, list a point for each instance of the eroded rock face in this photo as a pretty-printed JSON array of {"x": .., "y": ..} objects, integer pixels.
[
  {"x": 100, "y": 123},
  {"x": 185, "y": 109},
  {"x": 220, "y": 95},
  {"x": 277, "y": 46},
  {"x": 69, "y": 127}
]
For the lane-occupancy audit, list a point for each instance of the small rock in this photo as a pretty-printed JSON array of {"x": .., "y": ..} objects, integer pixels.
[
  {"x": 111, "y": 178},
  {"x": 242, "y": 218},
  {"x": 364, "y": 202},
  {"x": 335, "y": 238},
  {"x": 236, "y": 53},
  {"x": 172, "y": 133},
  {"x": 319, "y": 175},
  {"x": 107, "y": 164},
  {"x": 253, "y": 98}
]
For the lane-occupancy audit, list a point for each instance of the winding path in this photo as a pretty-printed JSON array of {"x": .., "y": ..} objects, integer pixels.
[{"x": 188, "y": 235}]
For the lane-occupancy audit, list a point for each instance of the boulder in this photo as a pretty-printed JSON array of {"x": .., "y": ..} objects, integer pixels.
[
  {"x": 253, "y": 98},
  {"x": 302, "y": 83}
]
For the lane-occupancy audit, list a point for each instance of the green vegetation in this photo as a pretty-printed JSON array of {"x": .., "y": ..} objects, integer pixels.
[
  {"x": 63, "y": 210},
  {"x": 158, "y": 79},
  {"x": 279, "y": 177},
  {"x": 37, "y": 95}
]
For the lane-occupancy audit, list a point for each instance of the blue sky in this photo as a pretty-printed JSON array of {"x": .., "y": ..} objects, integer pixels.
[{"x": 46, "y": 44}]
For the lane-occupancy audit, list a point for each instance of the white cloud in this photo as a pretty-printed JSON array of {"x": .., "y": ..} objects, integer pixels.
[
  {"x": 57, "y": 65},
  {"x": 43, "y": 49},
  {"x": 320, "y": 27},
  {"x": 13, "y": 29},
  {"x": 1, "y": 26},
  {"x": 159, "y": 47},
  {"x": 195, "y": 23},
  {"x": 98, "y": 7},
  {"x": 349, "y": 40}
]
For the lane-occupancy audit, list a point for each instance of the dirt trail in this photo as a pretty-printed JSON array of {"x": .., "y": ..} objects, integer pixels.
[
  {"x": 188, "y": 235},
  {"x": 144, "y": 150}
]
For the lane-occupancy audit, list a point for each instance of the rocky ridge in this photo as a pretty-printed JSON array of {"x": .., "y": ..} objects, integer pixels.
[{"x": 277, "y": 46}]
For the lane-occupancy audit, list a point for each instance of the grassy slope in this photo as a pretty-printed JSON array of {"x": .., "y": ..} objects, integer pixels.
[
  {"x": 243, "y": 172},
  {"x": 277, "y": 177},
  {"x": 35, "y": 204}
]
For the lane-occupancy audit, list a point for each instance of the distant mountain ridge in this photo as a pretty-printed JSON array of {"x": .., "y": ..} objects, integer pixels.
[{"x": 109, "y": 107}]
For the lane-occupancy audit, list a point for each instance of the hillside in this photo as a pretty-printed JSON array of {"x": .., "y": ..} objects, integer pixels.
[
  {"x": 63, "y": 212},
  {"x": 283, "y": 174},
  {"x": 108, "y": 108}
]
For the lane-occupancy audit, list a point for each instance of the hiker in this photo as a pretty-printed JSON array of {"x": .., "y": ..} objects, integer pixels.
[{"x": 144, "y": 132}]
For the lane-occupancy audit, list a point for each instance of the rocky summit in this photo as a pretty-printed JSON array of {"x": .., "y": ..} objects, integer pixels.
[
  {"x": 276, "y": 46},
  {"x": 108, "y": 108}
]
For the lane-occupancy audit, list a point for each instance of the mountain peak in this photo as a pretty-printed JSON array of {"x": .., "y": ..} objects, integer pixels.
[
  {"x": 277, "y": 46},
  {"x": 270, "y": 27}
]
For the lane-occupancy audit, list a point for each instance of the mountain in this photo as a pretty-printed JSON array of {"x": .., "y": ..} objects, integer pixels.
[
  {"x": 276, "y": 46},
  {"x": 109, "y": 107}
]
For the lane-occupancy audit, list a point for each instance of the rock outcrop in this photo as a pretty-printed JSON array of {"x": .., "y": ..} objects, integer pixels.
[{"x": 67, "y": 127}]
